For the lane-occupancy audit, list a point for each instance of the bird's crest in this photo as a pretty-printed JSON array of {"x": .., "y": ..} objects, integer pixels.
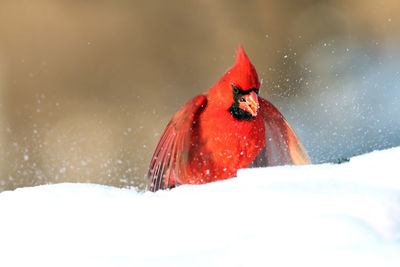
[{"x": 243, "y": 74}]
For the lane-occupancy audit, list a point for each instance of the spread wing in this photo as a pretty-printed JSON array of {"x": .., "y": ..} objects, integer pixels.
[
  {"x": 168, "y": 162},
  {"x": 282, "y": 146}
]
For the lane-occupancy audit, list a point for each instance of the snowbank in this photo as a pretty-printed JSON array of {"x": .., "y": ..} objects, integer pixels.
[{"x": 320, "y": 215}]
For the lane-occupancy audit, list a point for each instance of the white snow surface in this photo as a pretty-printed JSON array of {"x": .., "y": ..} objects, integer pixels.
[{"x": 317, "y": 215}]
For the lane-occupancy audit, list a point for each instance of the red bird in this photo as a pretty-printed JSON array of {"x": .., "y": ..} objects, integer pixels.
[{"x": 228, "y": 128}]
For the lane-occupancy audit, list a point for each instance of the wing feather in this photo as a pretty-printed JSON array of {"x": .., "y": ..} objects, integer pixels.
[
  {"x": 167, "y": 167},
  {"x": 282, "y": 146}
]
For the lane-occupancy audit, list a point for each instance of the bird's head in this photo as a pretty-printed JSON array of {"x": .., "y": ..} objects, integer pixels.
[{"x": 237, "y": 91}]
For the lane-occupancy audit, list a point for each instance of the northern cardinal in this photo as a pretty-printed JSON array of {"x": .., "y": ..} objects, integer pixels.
[{"x": 228, "y": 128}]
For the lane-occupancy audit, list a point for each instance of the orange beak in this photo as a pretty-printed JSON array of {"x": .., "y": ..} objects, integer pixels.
[{"x": 250, "y": 103}]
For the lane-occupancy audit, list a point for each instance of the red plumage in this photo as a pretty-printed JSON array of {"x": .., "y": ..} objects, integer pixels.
[{"x": 228, "y": 128}]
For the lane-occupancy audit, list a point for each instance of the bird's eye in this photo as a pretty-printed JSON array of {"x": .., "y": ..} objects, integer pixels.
[{"x": 235, "y": 89}]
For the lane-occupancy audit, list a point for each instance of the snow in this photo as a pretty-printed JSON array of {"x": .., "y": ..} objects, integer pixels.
[{"x": 321, "y": 215}]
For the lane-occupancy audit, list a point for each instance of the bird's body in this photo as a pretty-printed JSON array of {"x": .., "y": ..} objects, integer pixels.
[
  {"x": 220, "y": 146},
  {"x": 226, "y": 129}
]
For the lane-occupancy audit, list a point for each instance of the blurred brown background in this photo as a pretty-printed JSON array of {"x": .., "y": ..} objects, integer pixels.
[{"x": 87, "y": 87}]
